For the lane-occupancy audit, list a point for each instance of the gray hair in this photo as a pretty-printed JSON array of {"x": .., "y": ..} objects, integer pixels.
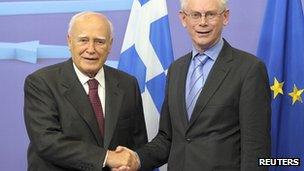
[
  {"x": 73, "y": 19},
  {"x": 223, "y": 4}
]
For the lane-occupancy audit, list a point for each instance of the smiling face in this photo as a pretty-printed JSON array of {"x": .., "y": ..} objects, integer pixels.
[
  {"x": 90, "y": 42},
  {"x": 203, "y": 32}
]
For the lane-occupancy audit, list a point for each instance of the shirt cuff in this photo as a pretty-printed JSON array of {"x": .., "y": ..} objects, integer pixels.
[{"x": 105, "y": 160}]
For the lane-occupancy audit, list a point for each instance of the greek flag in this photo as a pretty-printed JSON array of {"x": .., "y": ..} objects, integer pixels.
[{"x": 147, "y": 53}]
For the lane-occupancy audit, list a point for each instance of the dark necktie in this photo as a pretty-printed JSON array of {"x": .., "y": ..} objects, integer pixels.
[
  {"x": 196, "y": 83},
  {"x": 96, "y": 104}
]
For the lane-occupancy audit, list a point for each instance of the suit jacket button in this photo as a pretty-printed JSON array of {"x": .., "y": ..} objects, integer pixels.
[{"x": 188, "y": 140}]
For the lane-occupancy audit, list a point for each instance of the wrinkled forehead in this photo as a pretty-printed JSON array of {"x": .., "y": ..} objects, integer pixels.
[{"x": 203, "y": 5}]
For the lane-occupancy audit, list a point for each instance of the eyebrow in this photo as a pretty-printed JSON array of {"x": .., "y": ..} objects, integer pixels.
[
  {"x": 101, "y": 38},
  {"x": 82, "y": 36},
  {"x": 85, "y": 36}
]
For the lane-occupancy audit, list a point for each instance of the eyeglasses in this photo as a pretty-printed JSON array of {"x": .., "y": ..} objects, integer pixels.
[{"x": 208, "y": 16}]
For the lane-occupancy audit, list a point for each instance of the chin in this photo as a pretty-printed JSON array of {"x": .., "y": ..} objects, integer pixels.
[{"x": 91, "y": 73}]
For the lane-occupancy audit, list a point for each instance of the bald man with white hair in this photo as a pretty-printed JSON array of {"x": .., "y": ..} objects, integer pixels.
[{"x": 77, "y": 112}]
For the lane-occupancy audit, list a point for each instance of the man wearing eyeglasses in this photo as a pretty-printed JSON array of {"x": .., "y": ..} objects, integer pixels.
[{"x": 216, "y": 112}]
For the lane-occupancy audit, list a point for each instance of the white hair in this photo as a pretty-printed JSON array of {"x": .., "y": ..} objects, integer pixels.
[
  {"x": 73, "y": 19},
  {"x": 223, "y": 3}
]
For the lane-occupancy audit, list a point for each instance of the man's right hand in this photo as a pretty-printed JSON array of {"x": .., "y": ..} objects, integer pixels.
[{"x": 122, "y": 159}]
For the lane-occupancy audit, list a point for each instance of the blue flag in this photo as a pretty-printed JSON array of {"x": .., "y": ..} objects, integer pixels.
[
  {"x": 147, "y": 53},
  {"x": 281, "y": 47}
]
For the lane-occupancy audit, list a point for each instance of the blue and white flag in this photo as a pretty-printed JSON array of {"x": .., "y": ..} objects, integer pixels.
[{"x": 147, "y": 53}]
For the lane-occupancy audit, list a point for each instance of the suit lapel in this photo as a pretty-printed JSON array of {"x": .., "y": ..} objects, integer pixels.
[
  {"x": 216, "y": 76},
  {"x": 114, "y": 97},
  {"x": 77, "y": 96},
  {"x": 181, "y": 84}
]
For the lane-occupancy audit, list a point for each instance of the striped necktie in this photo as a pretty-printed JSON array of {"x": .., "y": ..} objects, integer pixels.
[{"x": 196, "y": 82}]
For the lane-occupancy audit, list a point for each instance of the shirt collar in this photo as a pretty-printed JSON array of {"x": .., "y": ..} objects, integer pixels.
[
  {"x": 211, "y": 52},
  {"x": 84, "y": 78}
]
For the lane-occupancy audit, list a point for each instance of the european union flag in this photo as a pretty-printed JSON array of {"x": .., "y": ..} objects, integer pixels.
[
  {"x": 281, "y": 47},
  {"x": 147, "y": 53}
]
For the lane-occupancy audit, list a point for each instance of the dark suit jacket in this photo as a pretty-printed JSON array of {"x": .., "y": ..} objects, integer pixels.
[
  {"x": 61, "y": 123},
  {"x": 230, "y": 125}
]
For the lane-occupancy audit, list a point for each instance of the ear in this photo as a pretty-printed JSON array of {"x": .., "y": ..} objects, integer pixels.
[
  {"x": 110, "y": 45},
  {"x": 182, "y": 18},
  {"x": 226, "y": 17},
  {"x": 69, "y": 40}
]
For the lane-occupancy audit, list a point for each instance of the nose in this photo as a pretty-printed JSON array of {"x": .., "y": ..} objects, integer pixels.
[
  {"x": 203, "y": 20},
  {"x": 91, "y": 48}
]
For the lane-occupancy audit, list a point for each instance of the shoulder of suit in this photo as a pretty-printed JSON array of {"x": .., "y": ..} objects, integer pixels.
[
  {"x": 51, "y": 69},
  {"x": 244, "y": 56},
  {"x": 49, "y": 75},
  {"x": 118, "y": 73}
]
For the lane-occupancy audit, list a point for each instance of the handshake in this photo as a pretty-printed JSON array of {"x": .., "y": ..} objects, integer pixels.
[{"x": 123, "y": 159}]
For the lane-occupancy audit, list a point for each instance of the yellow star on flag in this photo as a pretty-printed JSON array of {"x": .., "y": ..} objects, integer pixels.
[
  {"x": 296, "y": 94},
  {"x": 277, "y": 88}
]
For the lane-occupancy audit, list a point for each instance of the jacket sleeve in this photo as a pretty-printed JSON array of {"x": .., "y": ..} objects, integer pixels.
[
  {"x": 140, "y": 133},
  {"x": 254, "y": 114}
]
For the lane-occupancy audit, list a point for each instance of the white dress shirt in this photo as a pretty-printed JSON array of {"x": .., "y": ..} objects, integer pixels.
[{"x": 101, "y": 87}]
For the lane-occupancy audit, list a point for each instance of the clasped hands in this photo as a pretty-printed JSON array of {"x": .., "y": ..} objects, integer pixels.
[{"x": 123, "y": 159}]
